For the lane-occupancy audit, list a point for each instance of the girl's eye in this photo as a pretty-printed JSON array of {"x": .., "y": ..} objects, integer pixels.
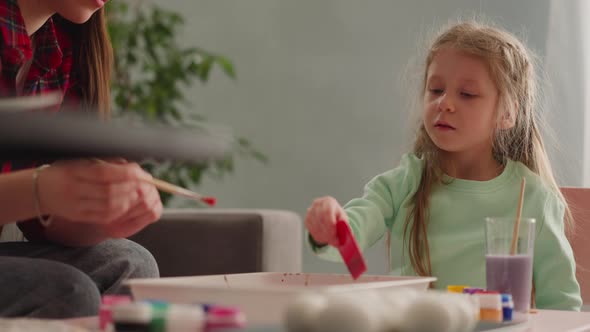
[
  {"x": 436, "y": 91},
  {"x": 467, "y": 94}
]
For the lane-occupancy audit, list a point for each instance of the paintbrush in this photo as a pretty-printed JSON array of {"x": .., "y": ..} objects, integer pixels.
[{"x": 174, "y": 189}]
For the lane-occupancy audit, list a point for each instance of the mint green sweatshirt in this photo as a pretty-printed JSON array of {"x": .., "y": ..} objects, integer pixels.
[{"x": 456, "y": 228}]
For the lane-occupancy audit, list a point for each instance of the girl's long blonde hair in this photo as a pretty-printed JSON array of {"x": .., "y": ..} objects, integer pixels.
[{"x": 511, "y": 66}]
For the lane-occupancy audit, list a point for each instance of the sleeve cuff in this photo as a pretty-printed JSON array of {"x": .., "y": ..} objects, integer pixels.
[{"x": 316, "y": 247}]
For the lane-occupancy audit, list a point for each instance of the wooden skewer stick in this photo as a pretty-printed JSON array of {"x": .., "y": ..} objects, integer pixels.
[{"x": 518, "y": 217}]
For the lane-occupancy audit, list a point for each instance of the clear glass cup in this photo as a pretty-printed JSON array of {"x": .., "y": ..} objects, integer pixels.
[{"x": 506, "y": 272}]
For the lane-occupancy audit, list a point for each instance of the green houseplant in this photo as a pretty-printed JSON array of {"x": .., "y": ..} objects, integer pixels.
[{"x": 152, "y": 72}]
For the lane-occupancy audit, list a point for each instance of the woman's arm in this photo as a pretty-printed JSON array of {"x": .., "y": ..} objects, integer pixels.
[
  {"x": 16, "y": 196},
  {"x": 89, "y": 201},
  {"x": 79, "y": 190}
]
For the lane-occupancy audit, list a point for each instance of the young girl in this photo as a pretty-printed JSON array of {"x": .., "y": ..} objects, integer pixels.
[
  {"x": 69, "y": 211},
  {"x": 477, "y": 139}
]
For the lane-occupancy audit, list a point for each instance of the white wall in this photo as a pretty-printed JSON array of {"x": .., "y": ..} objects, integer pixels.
[
  {"x": 317, "y": 90},
  {"x": 585, "y": 28},
  {"x": 568, "y": 68}
]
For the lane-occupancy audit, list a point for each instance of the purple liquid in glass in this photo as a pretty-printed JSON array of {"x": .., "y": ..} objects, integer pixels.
[{"x": 511, "y": 275}]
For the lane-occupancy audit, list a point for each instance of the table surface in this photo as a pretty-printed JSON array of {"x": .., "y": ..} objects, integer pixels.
[{"x": 542, "y": 321}]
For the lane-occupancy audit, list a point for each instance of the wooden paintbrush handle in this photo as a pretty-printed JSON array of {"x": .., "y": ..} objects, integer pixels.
[
  {"x": 166, "y": 186},
  {"x": 173, "y": 189}
]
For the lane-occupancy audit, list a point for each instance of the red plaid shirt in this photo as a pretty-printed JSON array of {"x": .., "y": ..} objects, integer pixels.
[{"x": 50, "y": 70}]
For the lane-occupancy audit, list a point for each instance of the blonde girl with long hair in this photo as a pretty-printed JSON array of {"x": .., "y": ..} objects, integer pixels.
[{"x": 478, "y": 137}]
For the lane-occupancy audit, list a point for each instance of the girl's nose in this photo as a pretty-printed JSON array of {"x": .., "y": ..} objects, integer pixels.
[{"x": 446, "y": 104}]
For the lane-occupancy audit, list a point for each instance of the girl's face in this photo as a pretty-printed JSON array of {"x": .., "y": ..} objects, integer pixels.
[
  {"x": 77, "y": 11},
  {"x": 460, "y": 103}
]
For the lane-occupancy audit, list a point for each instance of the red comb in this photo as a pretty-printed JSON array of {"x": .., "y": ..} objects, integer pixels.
[
  {"x": 209, "y": 200},
  {"x": 349, "y": 250}
]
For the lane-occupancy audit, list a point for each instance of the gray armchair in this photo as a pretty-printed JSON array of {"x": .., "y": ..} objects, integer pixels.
[{"x": 220, "y": 241}]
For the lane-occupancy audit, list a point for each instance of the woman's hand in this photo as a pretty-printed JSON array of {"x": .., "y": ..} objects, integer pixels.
[
  {"x": 147, "y": 209},
  {"x": 111, "y": 194},
  {"x": 321, "y": 219}
]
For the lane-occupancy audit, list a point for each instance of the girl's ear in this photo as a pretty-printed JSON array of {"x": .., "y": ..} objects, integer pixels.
[{"x": 507, "y": 120}]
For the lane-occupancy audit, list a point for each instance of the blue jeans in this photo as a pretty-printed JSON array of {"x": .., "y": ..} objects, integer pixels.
[{"x": 52, "y": 281}]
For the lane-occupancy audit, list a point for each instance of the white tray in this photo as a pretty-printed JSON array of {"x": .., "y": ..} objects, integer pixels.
[{"x": 263, "y": 296}]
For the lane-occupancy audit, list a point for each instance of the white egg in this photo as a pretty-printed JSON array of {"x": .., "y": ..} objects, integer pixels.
[
  {"x": 466, "y": 312},
  {"x": 302, "y": 312},
  {"x": 428, "y": 313},
  {"x": 379, "y": 308},
  {"x": 348, "y": 313},
  {"x": 395, "y": 305},
  {"x": 399, "y": 298}
]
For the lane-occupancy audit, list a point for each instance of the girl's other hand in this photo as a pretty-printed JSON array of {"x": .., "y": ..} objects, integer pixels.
[{"x": 321, "y": 219}]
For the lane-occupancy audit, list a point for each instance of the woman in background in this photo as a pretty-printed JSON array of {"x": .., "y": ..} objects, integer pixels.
[{"x": 74, "y": 214}]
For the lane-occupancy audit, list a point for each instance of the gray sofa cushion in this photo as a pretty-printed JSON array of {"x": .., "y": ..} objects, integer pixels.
[{"x": 214, "y": 241}]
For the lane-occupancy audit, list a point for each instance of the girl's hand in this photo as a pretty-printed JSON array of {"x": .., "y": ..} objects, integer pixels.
[
  {"x": 321, "y": 219},
  {"x": 99, "y": 193}
]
